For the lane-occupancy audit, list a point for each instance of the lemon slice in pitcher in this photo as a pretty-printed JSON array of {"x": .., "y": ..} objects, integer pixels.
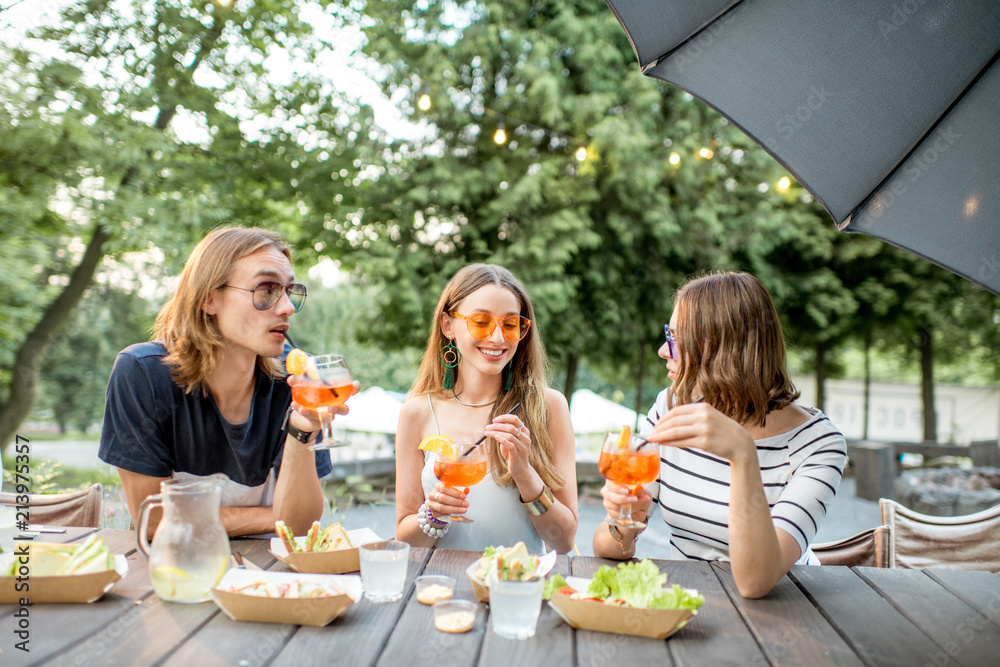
[{"x": 441, "y": 445}]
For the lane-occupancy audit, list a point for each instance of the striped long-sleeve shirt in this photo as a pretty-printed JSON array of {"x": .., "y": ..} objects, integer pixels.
[{"x": 801, "y": 470}]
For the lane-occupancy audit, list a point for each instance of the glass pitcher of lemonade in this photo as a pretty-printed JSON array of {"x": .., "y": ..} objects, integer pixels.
[{"x": 190, "y": 549}]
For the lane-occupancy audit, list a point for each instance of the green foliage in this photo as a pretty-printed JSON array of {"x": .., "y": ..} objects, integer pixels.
[{"x": 336, "y": 319}]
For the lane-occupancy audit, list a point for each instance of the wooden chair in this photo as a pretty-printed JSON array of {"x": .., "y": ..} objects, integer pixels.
[
  {"x": 869, "y": 548},
  {"x": 917, "y": 541},
  {"x": 77, "y": 508}
]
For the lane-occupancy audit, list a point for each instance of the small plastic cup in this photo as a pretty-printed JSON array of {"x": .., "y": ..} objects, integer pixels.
[
  {"x": 455, "y": 616},
  {"x": 432, "y": 588}
]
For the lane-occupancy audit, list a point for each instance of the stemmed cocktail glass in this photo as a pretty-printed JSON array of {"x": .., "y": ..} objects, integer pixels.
[
  {"x": 631, "y": 461},
  {"x": 466, "y": 469},
  {"x": 325, "y": 384}
]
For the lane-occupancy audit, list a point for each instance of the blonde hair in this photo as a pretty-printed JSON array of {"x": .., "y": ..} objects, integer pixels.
[
  {"x": 191, "y": 336},
  {"x": 529, "y": 370},
  {"x": 731, "y": 347}
]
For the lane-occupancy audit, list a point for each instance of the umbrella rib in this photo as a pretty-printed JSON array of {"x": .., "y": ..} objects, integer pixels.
[{"x": 944, "y": 115}]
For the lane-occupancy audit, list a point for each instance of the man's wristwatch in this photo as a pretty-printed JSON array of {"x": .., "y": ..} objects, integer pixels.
[{"x": 302, "y": 436}]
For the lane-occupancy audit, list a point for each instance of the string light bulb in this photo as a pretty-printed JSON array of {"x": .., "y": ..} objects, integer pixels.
[
  {"x": 674, "y": 159},
  {"x": 706, "y": 153},
  {"x": 581, "y": 153},
  {"x": 784, "y": 183},
  {"x": 500, "y": 136},
  {"x": 424, "y": 103}
]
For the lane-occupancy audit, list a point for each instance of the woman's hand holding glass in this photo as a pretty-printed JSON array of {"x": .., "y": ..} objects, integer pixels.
[{"x": 615, "y": 497}]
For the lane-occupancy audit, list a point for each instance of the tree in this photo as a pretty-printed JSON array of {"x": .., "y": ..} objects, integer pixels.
[
  {"x": 152, "y": 123},
  {"x": 665, "y": 186}
]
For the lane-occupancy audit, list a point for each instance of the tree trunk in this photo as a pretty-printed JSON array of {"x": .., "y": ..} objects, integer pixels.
[
  {"x": 24, "y": 379},
  {"x": 927, "y": 383},
  {"x": 820, "y": 377},
  {"x": 866, "y": 400},
  {"x": 570, "y": 384},
  {"x": 27, "y": 364}
]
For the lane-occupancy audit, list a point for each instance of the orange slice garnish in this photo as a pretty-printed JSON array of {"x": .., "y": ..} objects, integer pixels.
[
  {"x": 441, "y": 445},
  {"x": 296, "y": 362},
  {"x": 625, "y": 436}
]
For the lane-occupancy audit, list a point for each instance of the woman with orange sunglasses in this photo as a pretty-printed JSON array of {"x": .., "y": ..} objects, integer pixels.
[{"x": 483, "y": 360}]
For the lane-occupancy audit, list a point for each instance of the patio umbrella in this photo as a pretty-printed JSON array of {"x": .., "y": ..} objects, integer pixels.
[{"x": 887, "y": 112}]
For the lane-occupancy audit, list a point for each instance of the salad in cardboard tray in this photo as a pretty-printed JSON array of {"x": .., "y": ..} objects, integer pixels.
[{"x": 631, "y": 599}]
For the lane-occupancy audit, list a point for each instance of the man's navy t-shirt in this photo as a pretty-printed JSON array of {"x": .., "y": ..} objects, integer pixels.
[{"x": 152, "y": 427}]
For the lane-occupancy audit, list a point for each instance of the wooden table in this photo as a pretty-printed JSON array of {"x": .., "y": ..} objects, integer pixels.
[{"x": 815, "y": 616}]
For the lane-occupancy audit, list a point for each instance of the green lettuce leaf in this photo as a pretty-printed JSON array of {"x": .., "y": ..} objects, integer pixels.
[
  {"x": 553, "y": 584},
  {"x": 641, "y": 585}
]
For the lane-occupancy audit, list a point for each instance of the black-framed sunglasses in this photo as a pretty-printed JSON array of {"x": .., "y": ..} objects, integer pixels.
[
  {"x": 671, "y": 343},
  {"x": 269, "y": 292}
]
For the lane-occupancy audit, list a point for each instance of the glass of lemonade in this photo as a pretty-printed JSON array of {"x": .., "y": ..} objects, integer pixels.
[
  {"x": 383, "y": 569},
  {"x": 514, "y": 606}
]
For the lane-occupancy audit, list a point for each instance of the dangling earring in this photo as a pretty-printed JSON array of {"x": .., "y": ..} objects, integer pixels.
[
  {"x": 449, "y": 356},
  {"x": 509, "y": 382}
]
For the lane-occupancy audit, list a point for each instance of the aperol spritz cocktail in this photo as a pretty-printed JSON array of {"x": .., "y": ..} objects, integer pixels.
[
  {"x": 631, "y": 461},
  {"x": 468, "y": 468},
  {"x": 325, "y": 384}
]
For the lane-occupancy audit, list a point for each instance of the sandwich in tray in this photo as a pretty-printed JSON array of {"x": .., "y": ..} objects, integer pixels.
[
  {"x": 509, "y": 563},
  {"x": 55, "y": 560},
  {"x": 333, "y": 538}
]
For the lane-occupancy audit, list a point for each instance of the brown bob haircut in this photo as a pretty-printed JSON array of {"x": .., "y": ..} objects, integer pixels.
[
  {"x": 731, "y": 347},
  {"x": 190, "y": 335},
  {"x": 530, "y": 371}
]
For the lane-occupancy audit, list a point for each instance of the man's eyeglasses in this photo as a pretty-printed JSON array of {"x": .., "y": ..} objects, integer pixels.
[
  {"x": 267, "y": 293},
  {"x": 671, "y": 343},
  {"x": 482, "y": 325}
]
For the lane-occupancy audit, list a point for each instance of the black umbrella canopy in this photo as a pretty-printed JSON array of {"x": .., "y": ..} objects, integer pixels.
[{"x": 888, "y": 112}]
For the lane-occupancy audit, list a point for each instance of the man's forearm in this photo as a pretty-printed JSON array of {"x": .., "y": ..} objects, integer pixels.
[{"x": 247, "y": 520}]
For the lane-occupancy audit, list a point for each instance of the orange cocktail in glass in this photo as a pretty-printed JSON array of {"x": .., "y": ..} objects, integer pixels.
[
  {"x": 325, "y": 384},
  {"x": 631, "y": 461},
  {"x": 467, "y": 470}
]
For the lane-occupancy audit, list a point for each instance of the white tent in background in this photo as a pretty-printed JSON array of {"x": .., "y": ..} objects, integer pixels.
[
  {"x": 373, "y": 410},
  {"x": 592, "y": 413}
]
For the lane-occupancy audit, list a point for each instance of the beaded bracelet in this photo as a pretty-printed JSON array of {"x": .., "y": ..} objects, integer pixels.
[{"x": 430, "y": 524}]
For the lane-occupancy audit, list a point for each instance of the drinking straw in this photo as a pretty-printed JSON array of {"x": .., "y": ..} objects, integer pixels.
[
  {"x": 646, "y": 442},
  {"x": 289, "y": 339},
  {"x": 480, "y": 441}
]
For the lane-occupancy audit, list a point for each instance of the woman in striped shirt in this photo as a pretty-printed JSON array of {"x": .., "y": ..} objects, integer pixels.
[{"x": 746, "y": 474}]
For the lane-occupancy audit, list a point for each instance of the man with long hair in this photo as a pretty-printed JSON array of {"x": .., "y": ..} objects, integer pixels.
[{"x": 208, "y": 396}]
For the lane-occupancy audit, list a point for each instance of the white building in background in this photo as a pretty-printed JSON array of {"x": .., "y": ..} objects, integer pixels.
[{"x": 964, "y": 414}]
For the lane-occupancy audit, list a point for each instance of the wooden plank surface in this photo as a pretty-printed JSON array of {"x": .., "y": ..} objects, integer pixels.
[
  {"x": 873, "y": 627},
  {"x": 979, "y": 590},
  {"x": 551, "y": 646},
  {"x": 358, "y": 636},
  {"x": 788, "y": 627},
  {"x": 960, "y": 632},
  {"x": 415, "y": 641},
  {"x": 596, "y": 649}
]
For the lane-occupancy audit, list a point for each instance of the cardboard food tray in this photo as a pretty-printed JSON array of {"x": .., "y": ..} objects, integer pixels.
[
  {"x": 482, "y": 589},
  {"x": 316, "y": 612},
  {"x": 599, "y": 617},
  {"x": 66, "y": 588},
  {"x": 325, "y": 562}
]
